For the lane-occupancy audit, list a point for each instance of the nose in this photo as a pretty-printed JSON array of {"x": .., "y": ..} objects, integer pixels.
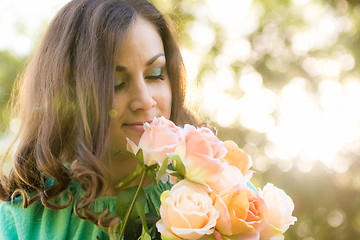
[{"x": 142, "y": 98}]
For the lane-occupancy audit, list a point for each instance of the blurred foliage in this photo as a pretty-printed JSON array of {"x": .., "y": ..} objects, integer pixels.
[
  {"x": 10, "y": 67},
  {"x": 327, "y": 202}
]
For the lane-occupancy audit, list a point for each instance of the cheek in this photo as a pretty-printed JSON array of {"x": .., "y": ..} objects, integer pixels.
[
  {"x": 116, "y": 115},
  {"x": 164, "y": 100},
  {"x": 118, "y": 107}
]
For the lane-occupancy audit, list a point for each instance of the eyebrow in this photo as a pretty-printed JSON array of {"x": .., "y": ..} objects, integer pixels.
[
  {"x": 153, "y": 59},
  {"x": 148, "y": 63}
]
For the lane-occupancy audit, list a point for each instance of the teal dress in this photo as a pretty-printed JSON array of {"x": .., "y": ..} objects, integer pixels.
[{"x": 37, "y": 222}]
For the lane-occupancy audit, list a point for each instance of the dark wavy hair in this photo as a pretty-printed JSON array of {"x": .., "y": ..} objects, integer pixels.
[{"x": 64, "y": 98}]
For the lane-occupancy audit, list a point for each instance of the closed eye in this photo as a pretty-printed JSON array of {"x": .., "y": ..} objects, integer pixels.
[
  {"x": 161, "y": 77},
  {"x": 156, "y": 73},
  {"x": 118, "y": 84}
]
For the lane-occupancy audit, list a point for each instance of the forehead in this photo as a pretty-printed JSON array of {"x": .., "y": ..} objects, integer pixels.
[{"x": 142, "y": 41}]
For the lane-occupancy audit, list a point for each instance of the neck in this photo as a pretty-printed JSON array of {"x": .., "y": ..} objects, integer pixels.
[{"x": 119, "y": 166}]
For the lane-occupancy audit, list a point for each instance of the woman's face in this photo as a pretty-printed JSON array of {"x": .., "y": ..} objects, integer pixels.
[{"x": 142, "y": 86}]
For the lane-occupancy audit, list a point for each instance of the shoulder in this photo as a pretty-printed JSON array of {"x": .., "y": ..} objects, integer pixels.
[
  {"x": 7, "y": 222},
  {"x": 38, "y": 222},
  {"x": 7, "y": 213},
  {"x": 15, "y": 220}
]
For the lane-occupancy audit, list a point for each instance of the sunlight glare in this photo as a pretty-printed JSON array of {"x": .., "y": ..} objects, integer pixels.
[
  {"x": 226, "y": 114},
  {"x": 323, "y": 31},
  {"x": 224, "y": 79},
  {"x": 316, "y": 127},
  {"x": 19, "y": 25},
  {"x": 336, "y": 218},
  {"x": 300, "y": 2},
  {"x": 227, "y": 12},
  {"x": 191, "y": 62},
  {"x": 347, "y": 62},
  {"x": 210, "y": 99},
  {"x": 203, "y": 36},
  {"x": 250, "y": 80},
  {"x": 237, "y": 49},
  {"x": 322, "y": 67},
  {"x": 256, "y": 108}
]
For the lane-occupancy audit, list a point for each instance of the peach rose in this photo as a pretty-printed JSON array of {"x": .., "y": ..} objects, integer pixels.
[
  {"x": 186, "y": 212},
  {"x": 242, "y": 211},
  {"x": 245, "y": 236},
  {"x": 238, "y": 158},
  {"x": 279, "y": 216},
  {"x": 200, "y": 151},
  {"x": 159, "y": 139}
]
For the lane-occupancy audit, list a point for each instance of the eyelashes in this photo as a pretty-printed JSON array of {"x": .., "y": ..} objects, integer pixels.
[
  {"x": 156, "y": 73},
  {"x": 118, "y": 84}
]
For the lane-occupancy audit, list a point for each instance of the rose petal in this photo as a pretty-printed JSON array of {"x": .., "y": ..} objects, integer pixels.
[
  {"x": 187, "y": 211},
  {"x": 201, "y": 168},
  {"x": 195, "y": 142},
  {"x": 131, "y": 146}
]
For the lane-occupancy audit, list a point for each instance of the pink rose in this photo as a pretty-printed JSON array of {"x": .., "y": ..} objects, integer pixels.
[
  {"x": 280, "y": 208},
  {"x": 218, "y": 150},
  {"x": 159, "y": 139},
  {"x": 186, "y": 212},
  {"x": 200, "y": 151},
  {"x": 241, "y": 210}
]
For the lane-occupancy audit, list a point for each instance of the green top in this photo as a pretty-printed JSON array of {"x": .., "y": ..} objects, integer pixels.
[{"x": 38, "y": 222}]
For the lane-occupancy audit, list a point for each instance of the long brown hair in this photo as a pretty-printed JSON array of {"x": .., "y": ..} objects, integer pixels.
[{"x": 65, "y": 96}]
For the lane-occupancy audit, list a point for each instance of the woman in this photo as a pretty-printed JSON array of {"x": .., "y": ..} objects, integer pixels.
[{"x": 103, "y": 68}]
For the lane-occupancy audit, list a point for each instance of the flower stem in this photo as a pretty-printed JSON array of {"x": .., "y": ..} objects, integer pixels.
[{"x": 133, "y": 202}]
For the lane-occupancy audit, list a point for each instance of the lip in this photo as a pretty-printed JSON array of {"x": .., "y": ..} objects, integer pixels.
[{"x": 136, "y": 126}]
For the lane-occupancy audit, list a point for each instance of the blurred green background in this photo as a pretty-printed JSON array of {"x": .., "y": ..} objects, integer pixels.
[{"x": 279, "y": 77}]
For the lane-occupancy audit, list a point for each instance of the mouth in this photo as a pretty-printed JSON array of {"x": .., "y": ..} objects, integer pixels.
[{"x": 136, "y": 126}]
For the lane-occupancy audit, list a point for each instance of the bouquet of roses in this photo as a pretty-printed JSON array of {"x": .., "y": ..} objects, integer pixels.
[{"x": 212, "y": 196}]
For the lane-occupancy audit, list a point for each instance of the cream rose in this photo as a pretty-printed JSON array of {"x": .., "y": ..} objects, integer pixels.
[
  {"x": 159, "y": 139},
  {"x": 280, "y": 207},
  {"x": 186, "y": 212}
]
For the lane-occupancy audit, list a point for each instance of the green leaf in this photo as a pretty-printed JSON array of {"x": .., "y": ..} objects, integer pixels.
[
  {"x": 127, "y": 152},
  {"x": 162, "y": 170},
  {"x": 140, "y": 207},
  {"x": 144, "y": 235},
  {"x": 153, "y": 169},
  {"x": 128, "y": 179},
  {"x": 140, "y": 156},
  {"x": 151, "y": 218},
  {"x": 178, "y": 176},
  {"x": 171, "y": 167},
  {"x": 178, "y": 165},
  {"x": 164, "y": 195},
  {"x": 124, "y": 199},
  {"x": 133, "y": 229},
  {"x": 168, "y": 236}
]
